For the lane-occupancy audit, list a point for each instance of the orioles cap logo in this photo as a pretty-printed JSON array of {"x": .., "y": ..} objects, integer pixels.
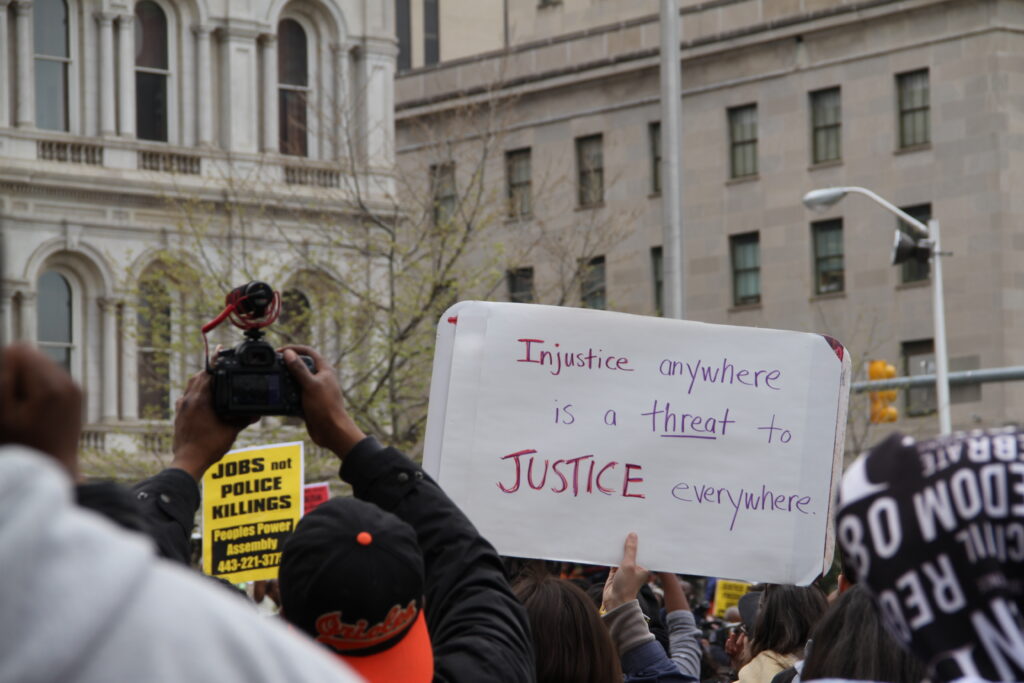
[{"x": 334, "y": 632}]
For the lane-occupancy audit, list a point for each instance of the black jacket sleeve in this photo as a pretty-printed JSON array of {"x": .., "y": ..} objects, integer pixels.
[
  {"x": 168, "y": 502},
  {"x": 478, "y": 629}
]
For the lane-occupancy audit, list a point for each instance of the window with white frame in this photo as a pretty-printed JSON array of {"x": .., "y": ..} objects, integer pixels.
[
  {"x": 51, "y": 40},
  {"x": 55, "y": 318},
  {"x": 152, "y": 72},
  {"x": 293, "y": 87}
]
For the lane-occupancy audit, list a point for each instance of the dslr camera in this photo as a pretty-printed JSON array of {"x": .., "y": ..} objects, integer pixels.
[{"x": 251, "y": 379}]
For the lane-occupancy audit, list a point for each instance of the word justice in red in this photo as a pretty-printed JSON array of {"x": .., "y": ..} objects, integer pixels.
[{"x": 573, "y": 475}]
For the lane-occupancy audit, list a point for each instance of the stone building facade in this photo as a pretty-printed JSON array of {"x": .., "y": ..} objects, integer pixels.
[
  {"x": 112, "y": 113},
  {"x": 919, "y": 100}
]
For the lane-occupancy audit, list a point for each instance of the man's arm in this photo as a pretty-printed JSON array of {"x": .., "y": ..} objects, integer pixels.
[
  {"x": 168, "y": 501},
  {"x": 478, "y": 629}
]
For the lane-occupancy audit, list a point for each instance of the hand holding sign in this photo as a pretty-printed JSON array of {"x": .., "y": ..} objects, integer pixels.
[{"x": 626, "y": 580}]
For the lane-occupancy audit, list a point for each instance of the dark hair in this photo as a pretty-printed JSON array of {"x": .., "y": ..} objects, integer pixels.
[
  {"x": 785, "y": 618},
  {"x": 571, "y": 642},
  {"x": 851, "y": 642}
]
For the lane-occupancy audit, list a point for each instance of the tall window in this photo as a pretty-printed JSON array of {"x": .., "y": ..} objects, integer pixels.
[
  {"x": 590, "y": 170},
  {"x": 403, "y": 29},
  {"x": 520, "y": 285},
  {"x": 593, "y": 291},
  {"x": 914, "y": 108},
  {"x": 54, "y": 329},
  {"x": 52, "y": 63},
  {"x": 294, "y": 324},
  {"x": 828, "y": 256},
  {"x": 913, "y": 270},
  {"x": 292, "y": 87},
  {"x": 517, "y": 172},
  {"x": 154, "y": 348},
  {"x": 826, "y": 125},
  {"x": 658, "y": 272},
  {"x": 654, "y": 135},
  {"x": 442, "y": 189},
  {"x": 431, "y": 32},
  {"x": 743, "y": 141},
  {"x": 746, "y": 268},
  {"x": 151, "y": 71},
  {"x": 919, "y": 359}
]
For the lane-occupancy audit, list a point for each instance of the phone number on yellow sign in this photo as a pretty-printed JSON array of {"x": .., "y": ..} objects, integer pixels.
[{"x": 241, "y": 564}]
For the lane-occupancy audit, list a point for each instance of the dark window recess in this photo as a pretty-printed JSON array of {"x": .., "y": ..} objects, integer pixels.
[
  {"x": 743, "y": 141},
  {"x": 658, "y": 273},
  {"x": 826, "y": 125},
  {"x": 654, "y": 134},
  {"x": 52, "y": 62},
  {"x": 151, "y": 72},
  {"x": 520, "y": 285},
  {"x": 913, "y": 91},
  {"x": 919, "y": 359},
  {"x": 829, "y": 269},
  {"x": 431, "y": 32},
  {"x": 517, "y": 171},
  {"x": 403, "y": 29},
  {"x": 293, "y": 88},
  {"x": 913, "y": 270},
  {"x": 746, "y": 268},
  {"x": 593, "y": 290},
  {"x": 590, "y": 170}
]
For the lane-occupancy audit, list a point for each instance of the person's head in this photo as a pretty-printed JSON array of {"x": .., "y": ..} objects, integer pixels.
[
  {"x": 352, "y": 578},
  {"x": 571, "y": 642},
  {"x": 851, "y": 642},
  {"x": 732, "y": 614},
  {"x": 785, "y": 617}
]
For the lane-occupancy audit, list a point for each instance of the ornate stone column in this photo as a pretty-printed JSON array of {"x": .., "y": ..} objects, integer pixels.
[
  {"x": 344, "y": 136},
  {"x": 268, "y": 43},
  {"x": 28, "y": 316},
  {"x": 110, "y": 374},
  {"x": 26, "y": 84},
  {"x": 126, "y": 75},
  {"x": 5, "y": 73},
  {"x": 107, "y": 89},
  {"x": 129, "y": 364},
  {"x": 204, "y": 89}
]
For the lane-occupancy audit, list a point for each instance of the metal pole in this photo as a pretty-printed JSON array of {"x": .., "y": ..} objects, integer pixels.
[
  {"x": 671, "y": 153},
  {"x": 1013, "y": 373},
  {"x": 939, "y": 315}
]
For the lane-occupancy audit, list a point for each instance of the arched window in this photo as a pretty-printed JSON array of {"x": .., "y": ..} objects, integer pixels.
[
  {"x": 294, "y": 323},
  {"x": 293, "y": 87},
  {"x": 54, "y": 318},
  {"x": 52, "y": 63},
  {"x": 151, "y": 71},
  {"x": 153, "y": 344}
]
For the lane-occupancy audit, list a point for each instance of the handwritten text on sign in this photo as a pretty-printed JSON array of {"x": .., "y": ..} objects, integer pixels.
[
  {"x": 252, "y": 500},
  {"x": 699, "y": 437}
]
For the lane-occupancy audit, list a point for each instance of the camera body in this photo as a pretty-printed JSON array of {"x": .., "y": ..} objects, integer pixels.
[{"x": 252, "y": 380}]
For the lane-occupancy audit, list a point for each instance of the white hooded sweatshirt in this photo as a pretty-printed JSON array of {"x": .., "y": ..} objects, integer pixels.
[{"x": 82, "y": 600}]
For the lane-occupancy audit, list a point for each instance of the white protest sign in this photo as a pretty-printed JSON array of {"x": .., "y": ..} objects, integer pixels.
[{"x": 560, "y": 430}]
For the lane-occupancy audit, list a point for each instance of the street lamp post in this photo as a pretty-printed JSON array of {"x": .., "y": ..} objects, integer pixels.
[{"x": 817, "y": 199}]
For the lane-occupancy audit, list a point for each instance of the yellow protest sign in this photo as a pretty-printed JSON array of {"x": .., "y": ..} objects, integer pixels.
[
  {"x": 252, "y": 500},
  {"x": 728, "y": 594}
]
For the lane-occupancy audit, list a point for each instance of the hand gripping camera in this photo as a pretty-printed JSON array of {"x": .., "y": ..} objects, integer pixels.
[{"x": 251, "y": 379}]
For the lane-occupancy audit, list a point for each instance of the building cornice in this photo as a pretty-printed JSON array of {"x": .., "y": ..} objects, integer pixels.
[{"x": 697, "y": 48}]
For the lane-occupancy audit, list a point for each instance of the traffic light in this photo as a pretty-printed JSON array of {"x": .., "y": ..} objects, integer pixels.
[{"x": 882, "y": 409}]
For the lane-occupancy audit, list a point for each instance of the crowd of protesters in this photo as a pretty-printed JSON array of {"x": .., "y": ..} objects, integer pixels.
[{"x": 395, "y": 583}]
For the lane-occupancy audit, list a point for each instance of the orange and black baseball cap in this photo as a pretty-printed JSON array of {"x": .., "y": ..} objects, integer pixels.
[{"x": 352, "y": 577}]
